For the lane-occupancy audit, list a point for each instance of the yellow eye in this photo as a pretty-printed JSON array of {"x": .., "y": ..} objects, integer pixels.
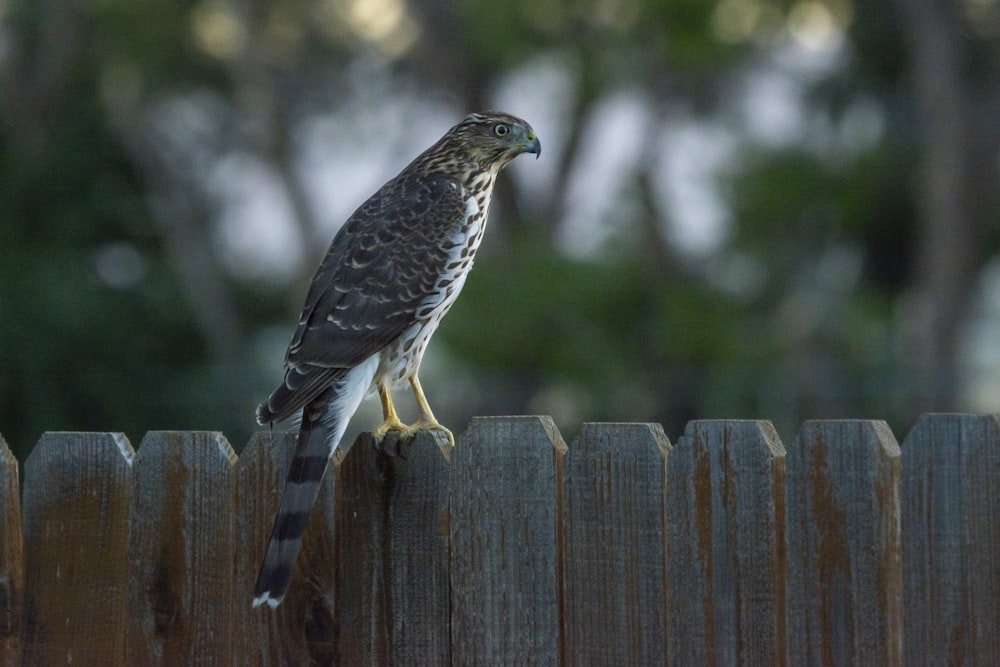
[{"x": 501, "y": 130}]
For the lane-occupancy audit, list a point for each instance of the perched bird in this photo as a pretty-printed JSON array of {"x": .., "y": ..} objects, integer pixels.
[{"x": 390, "y": 275}]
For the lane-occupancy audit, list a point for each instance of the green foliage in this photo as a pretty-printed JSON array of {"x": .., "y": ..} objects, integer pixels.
[
  {"x": 633, "y": 338},
  {"x": 794, "y": 204},
  {"x": 793, "y": 315},
  {"x": 81, "y": 354}
]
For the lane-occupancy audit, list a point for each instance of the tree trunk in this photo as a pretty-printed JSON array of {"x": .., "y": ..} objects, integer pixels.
[{"x": 951, "y": 226}]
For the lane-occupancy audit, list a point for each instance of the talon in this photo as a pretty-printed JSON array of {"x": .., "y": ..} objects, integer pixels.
[
  {"x": 383, "y": 429},
  {"x": 390, "y": 443},
  {"x": 430, "y": 425}
]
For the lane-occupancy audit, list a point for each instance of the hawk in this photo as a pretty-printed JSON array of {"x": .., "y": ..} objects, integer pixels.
[{"x": 390, "y": 275}]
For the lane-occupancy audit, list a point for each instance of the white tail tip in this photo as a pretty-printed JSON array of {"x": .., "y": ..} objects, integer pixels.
[{"x": 266, "y": 597}]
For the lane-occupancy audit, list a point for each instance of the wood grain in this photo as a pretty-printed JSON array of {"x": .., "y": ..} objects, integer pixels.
[
  {"x": 181, "y": 590},
  {"x": 517, "y": 552},
  {"x": 11, "y": 557},
  {"x": 392, "y": 569},
  {"x": 504, "y": 591},
  {"x": 613, "y": 545},
  {"x": 845, "y": 586},
  {"x": 951, "y": 540},
  {"x": 726, "y": 549},
  {"x": 301, "y": 630},
  {"x": 77, "y": 493}
]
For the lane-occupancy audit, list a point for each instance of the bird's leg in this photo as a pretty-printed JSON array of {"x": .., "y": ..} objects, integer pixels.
[
  {"x": 426, "y": 421},
  {"x": 390, "y": 420}
]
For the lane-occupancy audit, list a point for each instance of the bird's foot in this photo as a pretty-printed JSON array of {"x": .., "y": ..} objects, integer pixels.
[
  {"x": 390, "y": 424},
  {"x": 428, "y": 425},
  {"x": 390, "y": 434},
  {"x": 381, "y": 433}
]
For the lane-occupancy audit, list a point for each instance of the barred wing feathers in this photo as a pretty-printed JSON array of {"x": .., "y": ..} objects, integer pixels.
[{"x": 381, "y": 266}]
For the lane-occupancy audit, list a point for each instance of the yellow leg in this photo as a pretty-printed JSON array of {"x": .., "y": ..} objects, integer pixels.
[
  {"x": 426, "y": 422},
  {"x": 390, "y": 420}
]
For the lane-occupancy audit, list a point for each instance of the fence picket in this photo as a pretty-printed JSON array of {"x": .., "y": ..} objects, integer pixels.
[
  {"x": 392, "y": 566},
  {"x": 504, "y": 485},
  {"x": 300, "y": 631},
  {"x": 181, "y": 595},
  {"x": 843, "y": 528},
  {"x": 613, "y": 545},
  {"x": 11, "y": 557},
  {"x": 77, "y": 492},
  {"x": 951, "y": 541},
  {"x": 726, "y": 549}
]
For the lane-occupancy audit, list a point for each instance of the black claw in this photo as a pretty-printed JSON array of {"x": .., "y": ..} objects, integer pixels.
[{"x": 391, "y": 445}]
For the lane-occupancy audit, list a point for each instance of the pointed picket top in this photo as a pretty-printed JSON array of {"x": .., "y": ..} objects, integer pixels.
[
  {"x": 613, "y": 545},
  {"x": 77, "y": 493},
  {"x": 392, "y": 565},
  {"x": 298, "y": 631},
  {"x": 843, "y": 508},
  {"x": 504, "y": 486},
  {"x": 726, "y": 549},
  {"x": 951, "y": 541},
  {"x": 181, "y": 589}
]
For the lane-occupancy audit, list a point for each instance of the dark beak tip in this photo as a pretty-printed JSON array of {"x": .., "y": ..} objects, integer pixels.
[{"x": 535, "y": 147}]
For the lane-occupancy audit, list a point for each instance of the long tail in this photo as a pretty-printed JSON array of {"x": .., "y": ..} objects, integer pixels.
[
  {"x": 324, "y": 421},
  {"x": 312, "y": 454}
]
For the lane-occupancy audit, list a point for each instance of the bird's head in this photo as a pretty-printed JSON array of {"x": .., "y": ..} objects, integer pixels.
[{"x": 495, "y": 138}]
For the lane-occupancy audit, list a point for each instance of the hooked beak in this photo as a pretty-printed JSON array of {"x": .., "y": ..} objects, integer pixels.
[{"x": 533, "y": 145}]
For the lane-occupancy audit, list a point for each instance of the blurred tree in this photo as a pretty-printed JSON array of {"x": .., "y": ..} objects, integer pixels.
[
  {"x": 171, "y": 172},
  {"x": 954, "y": 68},
  {"x": 857, "y": 234}
]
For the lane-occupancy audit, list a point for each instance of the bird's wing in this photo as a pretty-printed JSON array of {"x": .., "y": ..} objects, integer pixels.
[{"x": 381, "y": 265}]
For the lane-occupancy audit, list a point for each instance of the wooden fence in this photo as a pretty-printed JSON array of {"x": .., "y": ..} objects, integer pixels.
[{"x": 515, "y": 549}]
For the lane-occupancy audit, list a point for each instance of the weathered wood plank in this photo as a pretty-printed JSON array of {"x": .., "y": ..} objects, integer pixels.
[
  {"x": 11, "y": 557},
  {"x": 77, "y": 492},
  {"x": 504, "y": 586},
  {"x": 613, "y": 545},
  {"x": 726, "y": 560},
  {"x": 182, "y": 547},
  {"x": 951, "y": 541},
  {"x": 845, "y": 586},
  {"x": 392, "y": 568},
  {"x": 301, "y": 630}
]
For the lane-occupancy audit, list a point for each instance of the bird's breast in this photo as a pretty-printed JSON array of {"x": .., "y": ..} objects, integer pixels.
[{"x": 402, "y": 359}]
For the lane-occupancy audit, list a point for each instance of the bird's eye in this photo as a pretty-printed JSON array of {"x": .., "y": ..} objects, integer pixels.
[{"x": 500, "y": 130}]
